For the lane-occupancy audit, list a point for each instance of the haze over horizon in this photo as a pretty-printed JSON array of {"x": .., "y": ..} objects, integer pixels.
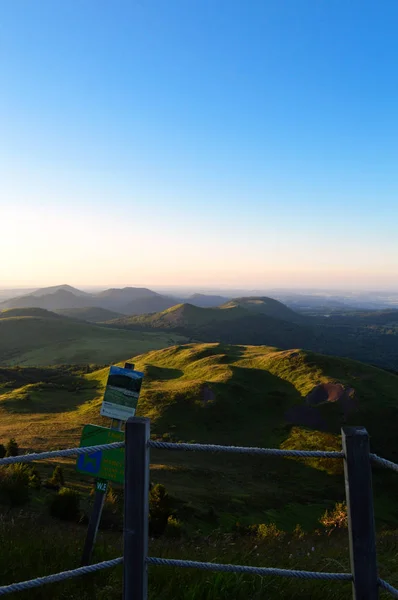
[{"x": 203, "y": 144}]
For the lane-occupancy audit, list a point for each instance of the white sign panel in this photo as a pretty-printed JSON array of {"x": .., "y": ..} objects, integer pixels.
[{"x": 121, "y": 393}]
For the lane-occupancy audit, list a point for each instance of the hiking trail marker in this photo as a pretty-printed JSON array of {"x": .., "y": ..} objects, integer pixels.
[
  {"x": 105, "y": 464},
  {"x": 119, "y": 403}
]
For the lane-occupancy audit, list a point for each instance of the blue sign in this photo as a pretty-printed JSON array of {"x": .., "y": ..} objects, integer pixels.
[{"x": 90, "y": 463}]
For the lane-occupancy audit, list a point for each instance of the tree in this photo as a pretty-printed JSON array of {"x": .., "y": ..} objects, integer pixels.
[
  {"x": 2, "y": 451},
  {"x": 12, "y": 448}
]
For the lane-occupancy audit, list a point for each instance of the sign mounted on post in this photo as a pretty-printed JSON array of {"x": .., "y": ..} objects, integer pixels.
[
  {"x": 121, "y": 393},
  {"x": 104, "y": 464}
]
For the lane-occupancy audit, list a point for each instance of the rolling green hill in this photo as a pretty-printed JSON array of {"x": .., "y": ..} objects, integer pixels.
[
  {"x": 39, "y": 337},
  {"x": 266, "y": 306},
  {"x": 237, "y": 395},
  {"x": 93, "y": 314},
  {"x": 231, "y": 324},
  {"x": 237, "y": 322},
  {"x": 182, "y": 315}
]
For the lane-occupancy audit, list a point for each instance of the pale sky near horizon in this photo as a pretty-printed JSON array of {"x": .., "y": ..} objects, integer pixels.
[{"x": 199, "y": 142}]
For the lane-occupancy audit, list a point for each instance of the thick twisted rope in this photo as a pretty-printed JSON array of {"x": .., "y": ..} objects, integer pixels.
[
  {"x": 245, "y": 450},
  {"x": 383, "y": 462},
  {"x": 386, "y": 586},
  {"x": 206, "y": 566},
  {"x": 32, "y": 583},
  {"x": 25, "y": 458}
]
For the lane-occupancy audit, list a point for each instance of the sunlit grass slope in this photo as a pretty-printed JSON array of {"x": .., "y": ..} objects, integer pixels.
[{"x": 237, "y": 395}]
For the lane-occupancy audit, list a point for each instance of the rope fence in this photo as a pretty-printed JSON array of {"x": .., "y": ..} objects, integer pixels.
[
  {"x": 386, "y": 586},
  {"x": 245, "y": 450},
  {"x": 33, "y": 583},
  {"x": 262, "y": 571},
  {"x": 188, "y": 564},
  {"x": 383, "y": 462},
  {"x": 26, "y": 458}
]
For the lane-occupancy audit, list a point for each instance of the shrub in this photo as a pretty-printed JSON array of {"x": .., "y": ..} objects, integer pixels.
[
  {"x": 65, "y": 505},
  {"x": 57, "y": 480},
  {"x": 336, "y": 518},
  {"x": 2, "y": 451},
  {"x": 174, "y": 528},
  {"x": 14, "y": 484},
  {"x": 34, "y": 478},
  {"x": 159, "y": 509},
  {"x": 12, "y": 448},
  {"x": 269, "y": 531},
  {"x": 58, "y": 475},
  {"x": 298, "y": 532}
]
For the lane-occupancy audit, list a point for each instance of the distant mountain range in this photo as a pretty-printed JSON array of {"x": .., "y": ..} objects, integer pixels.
[
  {"x": 128, "y": 300},
  {"x": 371, "y": 337}
]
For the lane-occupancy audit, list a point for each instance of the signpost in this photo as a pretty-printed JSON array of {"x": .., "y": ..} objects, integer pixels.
[
  {"x": 119, "y": 403},
  {"x": 121, "y": 393},
  {"x": 105, "y": 464}
]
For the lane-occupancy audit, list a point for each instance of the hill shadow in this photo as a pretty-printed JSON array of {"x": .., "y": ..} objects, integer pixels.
[
  {"x": 162, "y": 373},
  {"x": 33, "y": 390},
  {"x": 247, "y": 409}
]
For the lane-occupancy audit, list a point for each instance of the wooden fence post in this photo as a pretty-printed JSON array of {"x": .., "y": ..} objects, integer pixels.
[
  {"x": 361, "y": 526},
  {"x": 136, "y": 509}
]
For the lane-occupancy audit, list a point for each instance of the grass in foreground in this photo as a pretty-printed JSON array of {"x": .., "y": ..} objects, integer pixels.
[{"x": 31, "y": 548}]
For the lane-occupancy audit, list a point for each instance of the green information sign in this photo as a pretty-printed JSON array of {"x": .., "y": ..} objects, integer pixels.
[{"x": 103, "y": 464}]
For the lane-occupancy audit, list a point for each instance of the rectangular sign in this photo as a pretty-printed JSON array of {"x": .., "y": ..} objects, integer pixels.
[
  {"x": 121, "y": 393},
  {"x": 104, "y": 464}
]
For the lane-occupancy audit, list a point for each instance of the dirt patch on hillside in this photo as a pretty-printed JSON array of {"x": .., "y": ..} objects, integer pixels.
[
  {"x": 309, "y": 415},
  {"x": 207, "y": 394}
]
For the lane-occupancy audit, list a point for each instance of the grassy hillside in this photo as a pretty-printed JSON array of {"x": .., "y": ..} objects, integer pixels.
[
  {"x": 39, "y": 337},
  {"x": 231, "y": 324},
  {"x": 130, "y": 300},
  {"x": 266, "y": 306},
  {"x": 61, "y": 297},
  {"x": 10, "y": 313},
  {"x": 93, "y": 314},
  {"x": 236, "y": 323},
  {"x": 221, "y": 394},
  {"x": 252, "y": 396}
]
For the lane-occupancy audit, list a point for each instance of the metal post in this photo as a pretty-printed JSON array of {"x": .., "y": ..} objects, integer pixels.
[
  {"x": 101, "y": 489},
  {"x": 95, "y": 517},
  {"x": 361, "y": 526},
  {"x": 136, "y": 509}
]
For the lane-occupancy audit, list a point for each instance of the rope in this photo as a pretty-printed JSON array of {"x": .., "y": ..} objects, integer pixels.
[
  {"x": 32, "y": 583},
  {"x": 206, "y": 566},
  {"x": 245, "y": 450},
  {"x": 385, "y": 585},
  {"x": 384, "y": 462},
  {"x": 25, "y": 458}
]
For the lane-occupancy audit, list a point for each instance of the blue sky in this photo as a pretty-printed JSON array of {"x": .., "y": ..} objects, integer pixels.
[{"x": 202, "y": 142}]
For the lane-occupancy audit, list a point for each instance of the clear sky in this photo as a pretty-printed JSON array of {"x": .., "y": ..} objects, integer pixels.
[{"x": 207, "y": 142}]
